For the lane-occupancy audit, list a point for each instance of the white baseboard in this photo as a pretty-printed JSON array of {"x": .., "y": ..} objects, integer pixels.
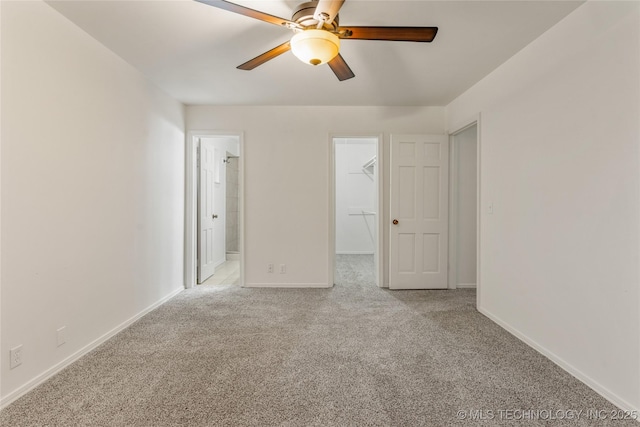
[
  {"x": 466, "y": 286},
  {"x": 354, "y": 253},
  {"x": 288, "y": 285},
  {"x": 21, "y": 391},
  {"x": 586, "y": 379}
]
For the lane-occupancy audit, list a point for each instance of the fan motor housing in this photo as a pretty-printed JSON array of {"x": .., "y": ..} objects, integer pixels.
[{"x": 304, "y": 16}]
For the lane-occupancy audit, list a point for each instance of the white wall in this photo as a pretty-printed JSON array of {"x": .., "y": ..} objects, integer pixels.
[
  {"x": 92, "y": 192},
  {"x": 560, "y": 161},
  {"x": 356, "y": 192},
  {"x": 465, "y": 150},
  {"x": 287, "y": 178}
]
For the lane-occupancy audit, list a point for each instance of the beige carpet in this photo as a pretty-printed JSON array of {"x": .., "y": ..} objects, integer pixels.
[{"x": 353, "y": 355}]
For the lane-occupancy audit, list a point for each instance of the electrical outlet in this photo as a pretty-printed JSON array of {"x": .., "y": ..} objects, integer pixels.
[
  {"x": 283, "y": 268},
  {"x": 61, "y": 335},
  {"x": 269, "y": 268},
  {"x": 15, "y": 356}
]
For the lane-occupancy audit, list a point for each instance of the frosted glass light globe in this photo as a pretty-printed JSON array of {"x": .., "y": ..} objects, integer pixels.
[{"x": 315, "y": 47}]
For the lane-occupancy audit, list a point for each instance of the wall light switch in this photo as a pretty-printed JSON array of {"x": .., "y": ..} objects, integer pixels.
[{"x": 490, "y": 207}]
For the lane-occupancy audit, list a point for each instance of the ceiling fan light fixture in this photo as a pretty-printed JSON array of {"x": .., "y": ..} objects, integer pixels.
[{"x": 315, "y": 46}]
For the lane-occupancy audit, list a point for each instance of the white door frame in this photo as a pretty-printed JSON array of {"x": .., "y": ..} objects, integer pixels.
[
  {"x": 379, "y": 265},
  {"x": 191, "y": 202},
  {"x": 453, "y": 207}
]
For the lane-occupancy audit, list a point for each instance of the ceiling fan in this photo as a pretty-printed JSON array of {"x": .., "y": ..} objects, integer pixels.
[{"x": 318, "y": 33}]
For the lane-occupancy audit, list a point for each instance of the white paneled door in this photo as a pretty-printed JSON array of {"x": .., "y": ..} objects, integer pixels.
[
  {"x": 206, "y": 219},
  {"x": 219, "y": 206},
  {"x": 418, "y": 233}
]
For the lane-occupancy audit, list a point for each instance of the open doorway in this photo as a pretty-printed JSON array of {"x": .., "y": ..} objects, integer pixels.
[
  {"x": 356, "y": 208},
  {"x": 463, "y": 238},
  {"x": 213, "y": 250}
]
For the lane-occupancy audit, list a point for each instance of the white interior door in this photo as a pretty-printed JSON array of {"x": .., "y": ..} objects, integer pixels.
[
  {"x": 418, "y": 234},
  {"x": 219, "y": 206},
  {"x": 206, "y": 220}
]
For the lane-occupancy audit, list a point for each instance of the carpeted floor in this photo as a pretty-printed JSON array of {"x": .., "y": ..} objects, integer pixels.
[{"x": 352, "y": 355}]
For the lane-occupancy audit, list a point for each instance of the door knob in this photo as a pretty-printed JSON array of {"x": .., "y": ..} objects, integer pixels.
[
  {"x": 214, "y": 216},
  {"x": 395, "y": 222}
]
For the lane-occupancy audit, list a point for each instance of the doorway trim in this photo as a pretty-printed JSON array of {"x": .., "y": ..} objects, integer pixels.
[
  {"x": 453, "y": 208},
  {"x": 191, "y": 202},
  {"x": 379, "y": 265}
]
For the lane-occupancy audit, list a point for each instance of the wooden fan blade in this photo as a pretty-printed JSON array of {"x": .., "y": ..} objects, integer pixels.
[
  {"x": 327, "y": 10},
  {"x": 251, "y": 13},
  {"x": 340, "y": 68},
  {"x": 268, "y": 55},
  {"x": 401, "y": 34}
]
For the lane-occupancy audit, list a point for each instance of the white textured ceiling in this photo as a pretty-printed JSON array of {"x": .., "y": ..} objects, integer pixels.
[{"x": 191, "y": 50}]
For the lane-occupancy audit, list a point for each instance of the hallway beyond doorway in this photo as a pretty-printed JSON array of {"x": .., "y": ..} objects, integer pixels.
[{"x": 225, "y": 274}]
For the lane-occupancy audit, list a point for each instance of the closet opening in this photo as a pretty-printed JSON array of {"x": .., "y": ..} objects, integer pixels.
[{"x": 356, "y": 210}]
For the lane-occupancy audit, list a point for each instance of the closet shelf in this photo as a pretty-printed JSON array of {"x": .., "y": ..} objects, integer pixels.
[{"x": 370, "y": 163}]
